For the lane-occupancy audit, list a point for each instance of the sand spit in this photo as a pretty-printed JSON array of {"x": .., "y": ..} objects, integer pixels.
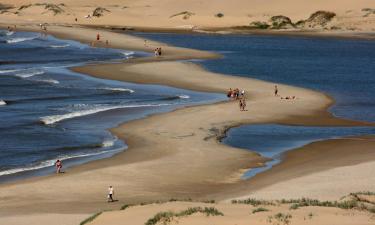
[{"x": 176, "y": 154}]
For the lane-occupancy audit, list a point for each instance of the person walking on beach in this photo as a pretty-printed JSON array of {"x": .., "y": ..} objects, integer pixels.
[
  {"x": 110, "y": 194},
  {"x": 276, "y": 91},
  {"x": 58, "y": 165},
  {"x": 98, "y": 37}
]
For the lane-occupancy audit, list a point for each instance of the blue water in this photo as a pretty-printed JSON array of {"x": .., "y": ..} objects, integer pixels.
[
  {"x": 48, "y": 112},
  {"x": 272, "y": 140},
  {"x": 344, "y": 69}
]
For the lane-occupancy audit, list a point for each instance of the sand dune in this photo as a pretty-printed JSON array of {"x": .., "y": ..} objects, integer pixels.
[
  {"x": 352, "y": 15},
  {"x": 239, "y": 214}
]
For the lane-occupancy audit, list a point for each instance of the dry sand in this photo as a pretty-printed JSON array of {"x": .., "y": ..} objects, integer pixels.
[
  {"x": 176, "y": 154},
  {"x": 193, "y": 14}
]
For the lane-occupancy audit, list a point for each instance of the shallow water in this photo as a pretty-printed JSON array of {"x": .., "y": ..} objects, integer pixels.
[
  {"x": 345, "y": 69},
  {"x": 48, "y": 112}
]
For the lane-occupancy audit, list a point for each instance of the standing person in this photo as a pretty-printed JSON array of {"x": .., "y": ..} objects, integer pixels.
[
  {"x": 276, "y": 91},
  {"x": 58, "y": 165},
  {"x": 243, "y": 104},
  {"x": 229, "y": 93},
  {"x": 156, "y": 52},
  {"x": 159, "y": 51},
  {"x": 243, "y": 93},
  {"x": 240, "y": 104},
  {"x": 98, "y": 37},
  {"x": 110, "y": 194}
]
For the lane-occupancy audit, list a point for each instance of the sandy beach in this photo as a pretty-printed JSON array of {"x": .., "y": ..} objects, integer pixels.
[{"x": 178, "y": 154}]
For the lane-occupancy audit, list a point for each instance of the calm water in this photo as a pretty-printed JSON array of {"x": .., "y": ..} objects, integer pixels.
[
  {"x": 345, "y": 69},
  {"x": 48, "y": 112}
]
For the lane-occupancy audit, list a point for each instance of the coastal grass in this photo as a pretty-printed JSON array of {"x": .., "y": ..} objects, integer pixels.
[
  {"x": 352, "y": 201},
  {"x": 253, "y": 202},
  {"x": 90, "y": 219},
  {"x": 259, "y": 209},
  {"x": 185, "y": 15},
  {"x": 167, "y": 217}
]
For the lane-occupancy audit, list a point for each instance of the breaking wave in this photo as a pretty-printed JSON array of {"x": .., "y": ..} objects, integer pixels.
[
  {"x": 56, "y": 118},
  {"x": 16, "y": 40}
]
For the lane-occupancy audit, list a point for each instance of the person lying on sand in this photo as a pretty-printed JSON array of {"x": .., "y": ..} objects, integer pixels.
[{"x": 289, "y": 97}]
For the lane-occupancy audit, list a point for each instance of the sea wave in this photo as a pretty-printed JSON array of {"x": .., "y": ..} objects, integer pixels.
[
  {"x": 51, "y": 162},
  {"x": 57, "y": 118},
  {"x": 9, "y": 33},
  {"x": 29, "y": 73},
  {"x": 59, "y": 46},
  {"x": 118, "y": 89},
  {"x": 2, "y": 102},
  {"x": 16, "y": 40}
]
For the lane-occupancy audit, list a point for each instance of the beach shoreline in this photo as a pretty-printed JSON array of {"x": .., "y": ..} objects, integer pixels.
[{"x": 197, "y": 128}]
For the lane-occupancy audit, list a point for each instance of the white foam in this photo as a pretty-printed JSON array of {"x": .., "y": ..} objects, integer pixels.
[
  {"x": 128, "y": 53},
  {"x": 9, "y": 71},
  {"x": 51, "y": 81},
  {"x": 108, "y": 143},
  {"x": 2, "y": 102},
  {"x": 16, "y": 40},
  {"x": 29, "y": 74},
  {"x": 59, "y": 46},
  {"x": 9, "y": 33},
  {"x": 184, "y": 96},
  {"x": 51, "y": 162},
  {"x": 56, "y": 118},
  {"x": 118, "y": 89}
]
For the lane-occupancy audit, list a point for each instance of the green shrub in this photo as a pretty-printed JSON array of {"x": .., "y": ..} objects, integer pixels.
[{"x": 259, "y": 25}]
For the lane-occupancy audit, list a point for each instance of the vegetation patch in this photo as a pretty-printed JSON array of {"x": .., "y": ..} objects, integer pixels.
[
  {"x": 317, "y": 19},
  {"x": 167, "y": 217},
  {"x": 253, "y": 202},
  {"x": 185, "y": 15},
  {"x": 219, "y": 15},
  {"x": 99, "y": 11},
  {"x": 281, "y": 22},
  {"x": 125, "y": 206},
  {"x": 5, "y": 7},
  {"x": 90, "y": 219},
  {"x": 259, "y": 25},
  {"x": 260, "y": 209},
  {"x": 368, "y": 11},
  {"x": 49, "y": 7},
  {"x": 280, "y": 219}
]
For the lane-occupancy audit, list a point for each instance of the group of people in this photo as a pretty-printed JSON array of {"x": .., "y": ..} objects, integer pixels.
[
  {"x": 157, "y": 52},
  {"x": 236, "y": 94},
  {"x": 276, "y": 92}
]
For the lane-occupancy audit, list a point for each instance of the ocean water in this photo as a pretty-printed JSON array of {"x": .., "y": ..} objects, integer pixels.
[
  {"x": 344, "y": 69},
  {"x": 48, "y": 112}
]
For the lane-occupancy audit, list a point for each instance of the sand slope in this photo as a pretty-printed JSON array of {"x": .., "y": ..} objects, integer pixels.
[{"x": 236, "y": 214}]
